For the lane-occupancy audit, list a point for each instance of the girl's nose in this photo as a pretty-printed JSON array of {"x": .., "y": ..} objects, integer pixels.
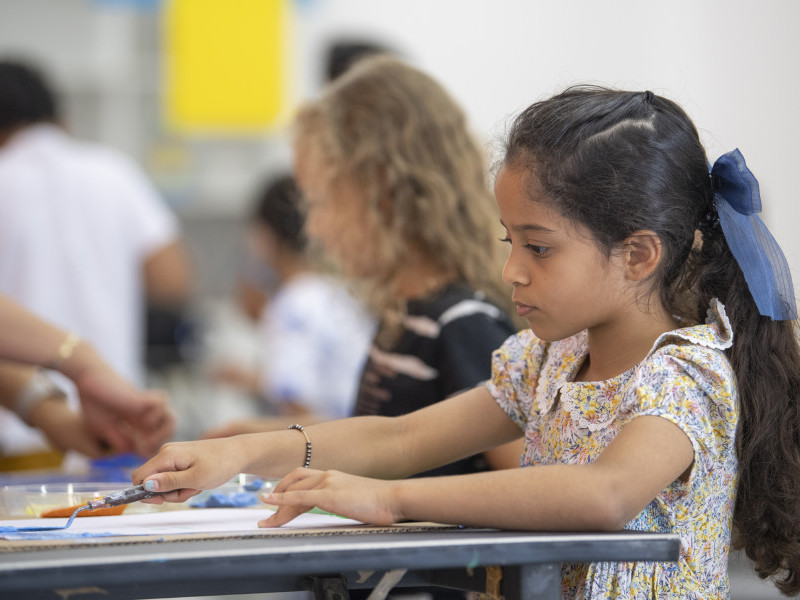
[{"x": 513, "y": 273}]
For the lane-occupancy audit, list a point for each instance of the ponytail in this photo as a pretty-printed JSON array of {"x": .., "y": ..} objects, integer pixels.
[{"x": 766, "y": 359}]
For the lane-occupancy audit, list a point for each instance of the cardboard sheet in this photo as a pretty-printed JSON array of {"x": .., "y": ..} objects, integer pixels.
[{"x": 174, "y": 522}]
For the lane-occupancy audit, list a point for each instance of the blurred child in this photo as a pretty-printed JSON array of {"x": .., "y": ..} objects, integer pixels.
[
  {"x": 657, "y": 387},
  {"x": 313, "y": 334}
]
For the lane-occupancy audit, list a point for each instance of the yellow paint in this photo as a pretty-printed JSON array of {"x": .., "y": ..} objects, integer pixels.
[{"x": 225, "y": 64}]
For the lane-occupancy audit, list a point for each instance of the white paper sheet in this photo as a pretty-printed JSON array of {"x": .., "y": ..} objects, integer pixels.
[{"x": 205, "y": 520}]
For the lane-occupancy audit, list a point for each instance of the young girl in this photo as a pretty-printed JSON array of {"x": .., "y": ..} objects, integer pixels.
[{"x": 656, "y": 389}]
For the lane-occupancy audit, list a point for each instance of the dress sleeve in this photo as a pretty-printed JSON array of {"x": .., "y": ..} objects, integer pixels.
[
  {"x": 465, "y": 347},
  {"x": 516, "y": 366},
  {"x": 694, "y": 387}
]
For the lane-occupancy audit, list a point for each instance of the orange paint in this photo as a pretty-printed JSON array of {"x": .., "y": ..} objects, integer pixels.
[{"x": 97, "y": 512}]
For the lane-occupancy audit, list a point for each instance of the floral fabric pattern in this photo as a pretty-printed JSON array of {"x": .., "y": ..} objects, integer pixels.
[{"x": 686, "y": 379}]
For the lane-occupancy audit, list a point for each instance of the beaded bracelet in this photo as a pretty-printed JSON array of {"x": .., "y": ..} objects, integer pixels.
[{"x": 302, "y": 430}]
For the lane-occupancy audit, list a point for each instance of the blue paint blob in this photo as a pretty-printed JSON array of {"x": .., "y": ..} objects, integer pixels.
[
  {"x": 254, "y": 485},
  {"x": 230, "y": 500}
]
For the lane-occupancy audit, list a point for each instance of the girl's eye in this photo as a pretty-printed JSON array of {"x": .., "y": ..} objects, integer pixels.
[{"x": 540, "y": 251}]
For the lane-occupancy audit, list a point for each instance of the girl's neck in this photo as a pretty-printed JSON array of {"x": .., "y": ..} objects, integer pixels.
[{"x": 618, "y": 346}]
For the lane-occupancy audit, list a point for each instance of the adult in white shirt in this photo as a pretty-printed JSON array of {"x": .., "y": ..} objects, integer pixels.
[{"x": 84, "y": 237}]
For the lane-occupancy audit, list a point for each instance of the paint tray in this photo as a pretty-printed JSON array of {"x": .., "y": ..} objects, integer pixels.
[{"x": 34, "y": 499}]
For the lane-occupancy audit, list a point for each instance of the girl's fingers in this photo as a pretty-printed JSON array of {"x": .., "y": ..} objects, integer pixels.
[
  {"x": 290, "y": 505},
  {"x": 292, "y": 496},
  {"x": 298, "y": 475},
  {"x": 283, "y": 515}
]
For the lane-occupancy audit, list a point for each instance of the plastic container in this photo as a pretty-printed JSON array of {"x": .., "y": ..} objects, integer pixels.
[
  {"x": 243, "y": 491},
  {"x": 33, "y": 499}
]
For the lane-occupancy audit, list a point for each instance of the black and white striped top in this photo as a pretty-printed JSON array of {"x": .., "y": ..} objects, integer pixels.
[{"x": 445, "y": 348}]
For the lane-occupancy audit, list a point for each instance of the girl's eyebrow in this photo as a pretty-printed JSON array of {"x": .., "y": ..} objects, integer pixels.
[{"x": 529, "y": 227}]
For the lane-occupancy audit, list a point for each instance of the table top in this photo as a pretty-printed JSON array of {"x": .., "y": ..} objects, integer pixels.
[{"x": 166, "y": 564}]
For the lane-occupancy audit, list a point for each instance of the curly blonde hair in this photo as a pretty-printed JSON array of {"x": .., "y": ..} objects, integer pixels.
[{"x": 403, "y": 138}]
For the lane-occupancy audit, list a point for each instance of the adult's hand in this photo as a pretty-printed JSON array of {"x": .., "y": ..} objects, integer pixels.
[
  {"x": 65, "y": 428},
  {"x": 126, "y": 418}
]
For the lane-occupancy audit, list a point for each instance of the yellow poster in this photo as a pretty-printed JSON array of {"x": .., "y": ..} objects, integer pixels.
[{"x": 225, "y": 65}]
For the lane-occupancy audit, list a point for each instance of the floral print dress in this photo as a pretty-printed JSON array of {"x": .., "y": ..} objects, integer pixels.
[{"x": 686, "y": 379}]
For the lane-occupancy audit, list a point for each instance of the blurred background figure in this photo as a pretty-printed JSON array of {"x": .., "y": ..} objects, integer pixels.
[
  {"x": 85, "y": 240},
  {"x": 344, "y": 53},
  {"x": 115, "y": 416},
  {"x": 313, "y": 335},
  {"x": 397, "y": 195}
]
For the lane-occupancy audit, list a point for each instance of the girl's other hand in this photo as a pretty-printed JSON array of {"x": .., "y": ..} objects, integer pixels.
[
  {"x": 360, "y": 498},
  {"x": 185, "y": 468}
]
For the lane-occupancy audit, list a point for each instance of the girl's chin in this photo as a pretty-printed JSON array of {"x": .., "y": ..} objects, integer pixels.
[{"x": 546, "y": 334}]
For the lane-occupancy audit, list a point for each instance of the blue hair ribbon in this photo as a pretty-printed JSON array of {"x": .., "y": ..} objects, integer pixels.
[{"x": 737, "y": 200}]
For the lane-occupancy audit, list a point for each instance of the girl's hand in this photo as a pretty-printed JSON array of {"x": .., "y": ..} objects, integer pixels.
[
  {"x": 368, "y": 500},
  {"x": 185, "y": 468}
]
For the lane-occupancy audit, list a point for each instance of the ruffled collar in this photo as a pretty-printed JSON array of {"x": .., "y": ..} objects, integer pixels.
[{"x": 716, "y": 333}]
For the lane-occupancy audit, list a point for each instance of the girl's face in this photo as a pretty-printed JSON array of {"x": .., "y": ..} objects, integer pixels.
[
  {"x": 562, "y": 282},
  {"x": 336, "y": 214}
]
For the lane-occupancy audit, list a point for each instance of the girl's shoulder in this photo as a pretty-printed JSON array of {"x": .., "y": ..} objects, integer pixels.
[
  {"x": 693, "y": 354},
  {"x": 716, "y": 333},
  {"x": 708, "y": 339}
]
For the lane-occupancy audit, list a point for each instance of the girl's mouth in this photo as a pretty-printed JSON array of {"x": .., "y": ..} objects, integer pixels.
[{"x": 523, "y": 309}]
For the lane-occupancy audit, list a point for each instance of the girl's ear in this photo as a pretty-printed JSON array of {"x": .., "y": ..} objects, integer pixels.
[{"x": 642, "y": 253}]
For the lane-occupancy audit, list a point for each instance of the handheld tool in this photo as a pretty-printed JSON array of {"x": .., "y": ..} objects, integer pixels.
[{"x": 126, "y": 496}]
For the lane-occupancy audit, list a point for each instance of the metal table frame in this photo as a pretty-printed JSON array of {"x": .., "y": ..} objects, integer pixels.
[{"x": 327, "y": 564}]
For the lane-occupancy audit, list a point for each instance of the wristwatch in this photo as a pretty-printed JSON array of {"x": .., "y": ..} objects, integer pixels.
[{"x": 39, "y": 387}]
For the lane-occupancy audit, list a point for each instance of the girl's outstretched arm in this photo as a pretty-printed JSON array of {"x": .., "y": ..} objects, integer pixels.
[
  {"x": 646, "y": 457},
  {"x": 377, "y": 447}
]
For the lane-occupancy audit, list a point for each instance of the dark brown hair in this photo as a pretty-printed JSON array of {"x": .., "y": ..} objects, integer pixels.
[
  {"x": 278, "y": 207},
  {"x": 26, "y": 98},
  {"x": 618, "y": 162}
]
